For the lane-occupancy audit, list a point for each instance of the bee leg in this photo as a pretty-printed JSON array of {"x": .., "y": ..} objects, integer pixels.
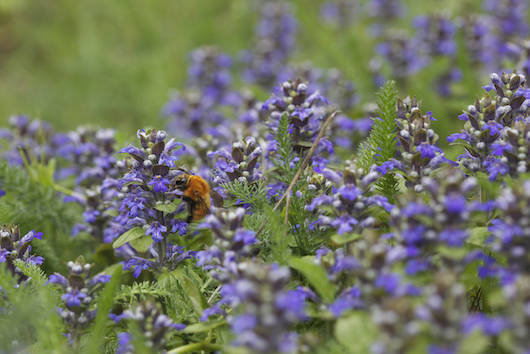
[
  {"x": 190, "y": 213},
  {"x": 191, "y": 208}
]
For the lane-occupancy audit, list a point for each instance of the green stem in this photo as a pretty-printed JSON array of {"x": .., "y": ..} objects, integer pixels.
[
  {"x": 194, "y": 347},
  {"x": 162, "y": 245}
]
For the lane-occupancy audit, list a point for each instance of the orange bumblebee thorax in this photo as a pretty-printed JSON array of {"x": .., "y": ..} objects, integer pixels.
[{"x": 196, "y": 193}]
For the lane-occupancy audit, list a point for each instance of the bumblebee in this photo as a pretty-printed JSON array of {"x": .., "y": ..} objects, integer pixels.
[{"x": 196, "y": 193}]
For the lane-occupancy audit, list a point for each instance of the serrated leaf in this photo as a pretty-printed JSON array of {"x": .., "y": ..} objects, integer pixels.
[
  {"x": 203, "y": 326},
  {"x": 356, "y": 332},
  {"x": 341, "y": 239},
  {"x": 315, "y": 275},
  {"x": 128, "y": 236},
  {"x": 141, "y": 244}
]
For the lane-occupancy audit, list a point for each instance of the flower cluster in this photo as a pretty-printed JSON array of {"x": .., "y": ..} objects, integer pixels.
[
  {"x": 350, "y": 202},
  {"x": 362, "y": 270},
  {"x": 397, "y": 323},
  {"x": 29, "y": 140},
  {"x": 444, "y": 310},
  {"x": 304, "y": 118},
  {"x": 99, "y": 204},
  {"x": 511, "y": 230},
  {"x": 511, "y": 150},
  {"x": 232, "y": 244},
  {"x": 425, "y": 228},
  {"x": 264, "y": 311},
  {"x": 509, "y": 23},
  {"x": 13, "y": 247},
  {"x": 332, "y": 83},
  {"x": 152, "y": 323},
  {"x": 79, "y": 296},
  {"x": 341, "y": 12},
  {"x": 90, "y": 152},
  {"x": 148, "y": 206},
  {"x": 517, "y": 297},
  {"x": 241, "y": 164},
  {"x": 478, "y": 39},
  {"x": 209, "y": 73},
  {"x": 488, "y": 119},
  {"x": 386, "y": 10},
  {"x": 273, "y": 44},
  {"x": 435, "y": 35},
  {"x": 399, "y": 52},
  {"x": 418, "y": 155},
  {"x": 435, "y": 38},
  {"x": 196, "y": 111}
]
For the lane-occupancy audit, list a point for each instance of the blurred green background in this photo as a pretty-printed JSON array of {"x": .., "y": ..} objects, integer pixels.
[{"x": 113, "y": 63}]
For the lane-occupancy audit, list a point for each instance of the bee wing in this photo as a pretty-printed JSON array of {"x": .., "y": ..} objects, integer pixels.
[{"x": 217, "y": 199}]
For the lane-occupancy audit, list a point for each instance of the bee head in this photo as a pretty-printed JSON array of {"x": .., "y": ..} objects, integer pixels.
[{"x": 181, "y": 181}]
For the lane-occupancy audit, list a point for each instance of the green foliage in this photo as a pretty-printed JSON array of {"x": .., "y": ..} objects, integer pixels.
[
  {"x": 185, "y": 299},
  {"x": 284, "y": 150},
  {"x": 254, "y": 194},
  {"x": 35, "y": 206},
  {"x": 356, "y": 332},
  {"x": 204, "y": 326},
  {"x": 274, "y": 238},
  {"x": 137, "y": 292},
  {"x": 380, "y": 146},
  {"x": 29, "y": 320},
  {"x": 283, "y": 138},
  {"x": 128, "y": 236},
  {"x": 342, "y": 239},
  {"x": 316, "y": 276},
  {"x": 106, "y": 301},
  {"x": 168, "y": 207}
]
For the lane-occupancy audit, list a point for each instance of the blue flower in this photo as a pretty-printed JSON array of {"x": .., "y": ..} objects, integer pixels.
[
  {"x": 138, "y": 264},
  {"x": 243, "y": 323},
  {"x": 155, "y": 230},
  {"x": 455, "y": 203},
  {"x": 459, "y": 136},
  {"x": 349, "y": 192},
  {"x": 125, "y": 345},
  {"x": 428, "y": 151},
  {"x": 454, "y": 237},
  {"x": 499, "y": 148},
  {"x": 159, "y": 184}
]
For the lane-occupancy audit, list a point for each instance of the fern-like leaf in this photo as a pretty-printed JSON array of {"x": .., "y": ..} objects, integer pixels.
[{"x": 380, "y": 146}]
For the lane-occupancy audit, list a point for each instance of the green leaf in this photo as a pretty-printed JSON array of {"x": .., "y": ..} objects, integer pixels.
[
  {"x": 356, "y": 332},
  {"x": 128, "y": 236},
  {"x": 190, "y": 288},
  {"x": 203, "y": 326},
  {"x": 454, "y": 253},
  {"x": 475, "y": 343},
  {"x": 315, "y": 275},
  {"x": 380, "y": 146},
  {"x": 141, "y": 244},
  {"x": 167, "y": 208},
  {"x": 105, "y": 303},
  {"x": 341, "y": 239},
  {"x": 478, "y": 236}
]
